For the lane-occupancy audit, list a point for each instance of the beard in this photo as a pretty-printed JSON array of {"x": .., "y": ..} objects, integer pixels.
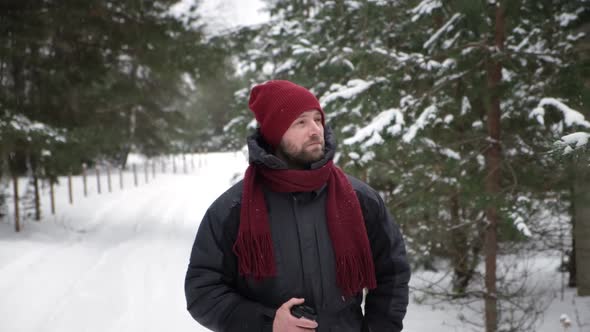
[{"x": 309, "y": 153}]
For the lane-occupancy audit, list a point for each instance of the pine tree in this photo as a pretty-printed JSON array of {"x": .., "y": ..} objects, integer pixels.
[
  {"x": 434, "y": 101},
  {"x": 110, "y": 76},
  {"x": 94, "y": 80}
]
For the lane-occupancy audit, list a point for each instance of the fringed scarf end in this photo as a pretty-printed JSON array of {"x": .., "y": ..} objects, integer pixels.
[
  {"x": 255, "y": 255},
  {"x": 355, "y": 273}
]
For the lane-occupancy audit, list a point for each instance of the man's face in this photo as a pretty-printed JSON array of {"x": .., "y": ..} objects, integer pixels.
[{"x": 303, "y": 143}]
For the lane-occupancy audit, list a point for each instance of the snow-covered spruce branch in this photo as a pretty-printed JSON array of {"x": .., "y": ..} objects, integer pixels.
[
  {"x": 571, "y": 118},
  {"x": 532, "y": 54},
  {"x": 434, "y": 180},
  {"x": 573, "y": 142}
]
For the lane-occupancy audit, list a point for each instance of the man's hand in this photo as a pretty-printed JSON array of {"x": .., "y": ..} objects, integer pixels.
[{"x": 285, "y": 322}]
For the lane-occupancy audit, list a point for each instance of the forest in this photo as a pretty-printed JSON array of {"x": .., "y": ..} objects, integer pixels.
[{"x": 471, "y": 118}]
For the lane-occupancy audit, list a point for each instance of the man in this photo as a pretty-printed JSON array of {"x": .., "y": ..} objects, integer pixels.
[{"x": 296, "y": 231}]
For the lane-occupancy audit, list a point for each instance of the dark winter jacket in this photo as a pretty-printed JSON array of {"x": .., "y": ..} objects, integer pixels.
[{"x": 222, "y": 300}]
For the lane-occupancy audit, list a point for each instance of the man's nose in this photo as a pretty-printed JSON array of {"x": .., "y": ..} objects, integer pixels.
[{"x": 316, "y": 128}]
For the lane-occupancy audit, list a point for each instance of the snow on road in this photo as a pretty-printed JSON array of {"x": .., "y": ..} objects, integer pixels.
[
  {"x": 113, "y": 262},
  {"x": 116, "y": 261}
]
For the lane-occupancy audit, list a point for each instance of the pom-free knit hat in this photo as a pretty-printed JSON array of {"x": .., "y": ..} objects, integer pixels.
[{"x": 276, "y": 104}]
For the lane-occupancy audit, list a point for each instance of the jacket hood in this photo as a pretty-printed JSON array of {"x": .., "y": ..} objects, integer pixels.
[{"x": 261, "y": 153}]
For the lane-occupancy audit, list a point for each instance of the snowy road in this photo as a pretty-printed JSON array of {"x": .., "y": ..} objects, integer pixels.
[{"x": 114, "y": 262}]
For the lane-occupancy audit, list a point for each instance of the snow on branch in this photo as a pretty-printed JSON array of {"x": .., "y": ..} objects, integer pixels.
[
  {"x": 570, "y": 143},
  {"x": 577, "y": 139},
  {"x": 301, "y": 49},
  {"x": 566, "y": 18},
  {"x": 574, "y": 141},
  {"x": 24, "y": 125},
  {"x": 522, "y": 227},
  {"x": 285, "y": 66},
  {"x": 449, "y": 153},
  {"x": 372, "y": 130},
  {"x": 526, "y": 40},
  {"x": 428, "y": 114},
  {"x": 570, "y": 116},
  {"x": 351, "y": 90},
  {"x": 425, "y": 8},
  {"x": 445, "y": 28}
]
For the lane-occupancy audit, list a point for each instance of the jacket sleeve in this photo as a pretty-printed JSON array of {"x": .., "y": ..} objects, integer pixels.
[
  {"x": 385, "y": 306},
  {"x": 210, "y": 281}
]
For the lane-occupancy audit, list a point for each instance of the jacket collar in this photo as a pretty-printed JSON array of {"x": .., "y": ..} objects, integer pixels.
[{"x": 260, "y": 152}]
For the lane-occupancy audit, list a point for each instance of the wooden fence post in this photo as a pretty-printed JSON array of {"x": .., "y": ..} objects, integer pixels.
[
  {"x": 109, "y": 178},
  {"x": 184, "y": 168},
  {"x": 173, "y": 164},
  {"x": 153, "y": 169},
  {"x": 97, "y": 179},
  {"x": 84, "y": 179},
  {"x": 37, "y": 196},
  {"x": 121, "y": 177},
  {"x": 16, "y": 212},
  {"x": 70, "y": 188},
  {"x": 52, "y": 195},
  {"x": 135, "y": 174},
  {"x": 146, "y": 171}
]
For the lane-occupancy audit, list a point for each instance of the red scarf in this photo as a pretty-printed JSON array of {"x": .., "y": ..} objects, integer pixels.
[{"x": 354, "y": 262}]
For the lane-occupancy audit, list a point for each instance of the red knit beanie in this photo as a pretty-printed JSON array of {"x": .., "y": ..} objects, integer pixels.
[{"x": 276, "y": 104}]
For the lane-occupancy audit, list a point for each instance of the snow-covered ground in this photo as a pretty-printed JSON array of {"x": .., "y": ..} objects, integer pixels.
[{"x": 116, "y": 261}]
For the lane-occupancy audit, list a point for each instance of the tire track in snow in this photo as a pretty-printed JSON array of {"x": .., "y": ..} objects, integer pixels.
[
  {"x": 121, "y": 267},
  {"x": 142, "y": 296},
  {"x": 100, "y": 247}
]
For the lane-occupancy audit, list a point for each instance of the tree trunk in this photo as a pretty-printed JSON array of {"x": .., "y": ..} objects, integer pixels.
[
  {"x": 571, "y": 263},
  {"x": 4, "y": 174},
  {"x": 16, "y": 204},
  {"x": 580, "y": 255},
  {"x": 459, "y": 249},
  {"x": 37, "y": 196},
  {"x": 492, "y": 181},
  {"x": 582, "y": 227}
]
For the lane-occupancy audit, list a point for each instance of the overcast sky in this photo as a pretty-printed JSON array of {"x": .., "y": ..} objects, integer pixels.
[{"x": 221, "y": 15}]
